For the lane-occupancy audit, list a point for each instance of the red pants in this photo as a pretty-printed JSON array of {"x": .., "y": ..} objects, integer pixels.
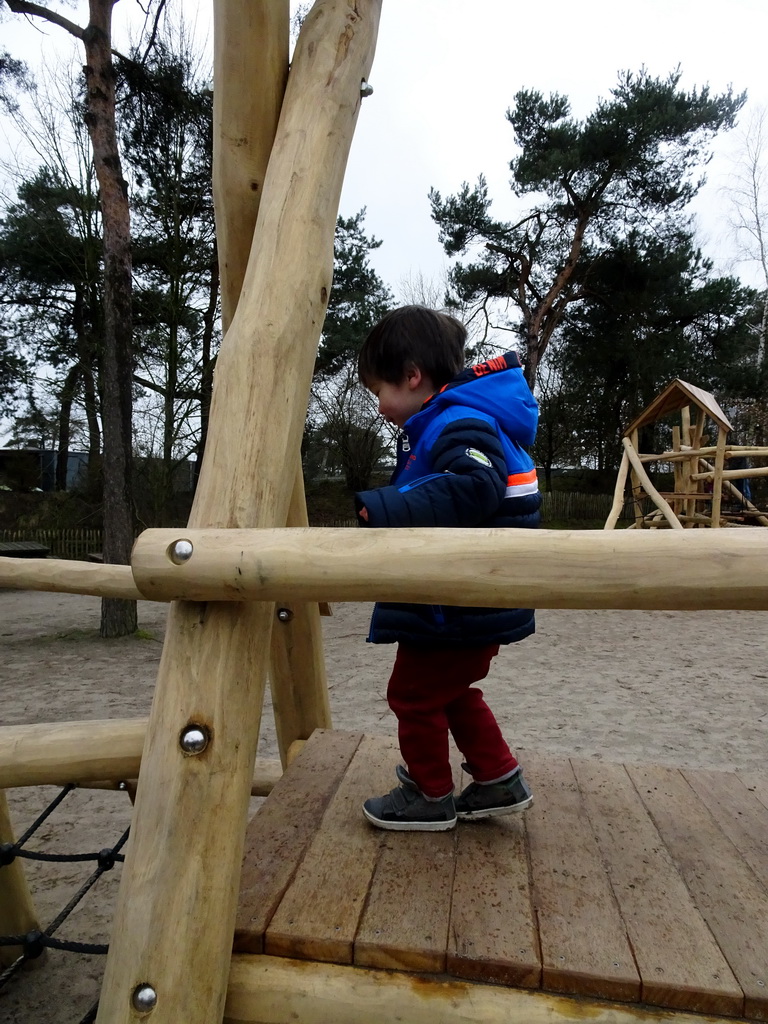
[{"x": 430, "y": 692}]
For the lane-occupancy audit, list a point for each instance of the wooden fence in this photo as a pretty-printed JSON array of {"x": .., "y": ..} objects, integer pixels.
[
  {"x": 569, "y": 506},
  {"x": 557, "y": 506}
]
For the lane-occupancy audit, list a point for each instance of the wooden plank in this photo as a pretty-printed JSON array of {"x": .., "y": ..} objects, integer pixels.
[
  {"x": 756, "y": 783},
  {"x": 731, "y": 899},
  {"x": 320, "y": 912},
  {"x": 279, "y": 834},
  {"x": 405, "y": 922},
  {"x": 493, "y": 935},
  {"x": 679, "y": 962},
  {"x": 584, "y": 947},
  {"x": 738, "y": 812},
  {"x": 263, "y": 988}
]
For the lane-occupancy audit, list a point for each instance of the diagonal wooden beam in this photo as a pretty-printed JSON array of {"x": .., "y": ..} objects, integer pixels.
[{"x": 171, "y": 942}]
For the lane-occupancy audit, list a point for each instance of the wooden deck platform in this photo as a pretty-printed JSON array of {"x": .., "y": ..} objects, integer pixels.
[{"x": 634, "y": 884}]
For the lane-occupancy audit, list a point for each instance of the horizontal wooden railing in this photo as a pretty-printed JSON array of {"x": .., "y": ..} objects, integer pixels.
[{"x": 663, "y": 569}]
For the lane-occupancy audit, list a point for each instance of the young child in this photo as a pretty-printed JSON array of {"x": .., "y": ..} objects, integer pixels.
[{"x": 461, "y": 462}]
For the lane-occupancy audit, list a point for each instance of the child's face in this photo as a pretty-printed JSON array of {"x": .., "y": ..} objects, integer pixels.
[{"x": 398, "y": 402}]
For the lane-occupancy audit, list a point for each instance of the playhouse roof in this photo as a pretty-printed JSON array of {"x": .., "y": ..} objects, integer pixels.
[{"x": 675, "y": 396}]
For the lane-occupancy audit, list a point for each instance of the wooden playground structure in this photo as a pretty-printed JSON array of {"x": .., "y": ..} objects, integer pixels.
[
  {"x": 704, "y": 493},
  {"x": 626, "y": 894}
]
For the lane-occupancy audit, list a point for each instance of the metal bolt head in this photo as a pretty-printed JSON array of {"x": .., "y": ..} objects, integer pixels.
[
  {"x": 144, "y": 998},
  {"x": 284, "y": 614},
  {"x": 365, "y": 89},
  {"x": 194, "y": 739},
  {"x": 180, "y": 551}
]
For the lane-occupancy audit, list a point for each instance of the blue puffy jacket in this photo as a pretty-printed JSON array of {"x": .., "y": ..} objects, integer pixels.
[{"x": 461, "y": 462}]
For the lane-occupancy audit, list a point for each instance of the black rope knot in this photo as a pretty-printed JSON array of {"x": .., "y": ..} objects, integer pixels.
[
  {"x": 7, "y": 854},
  {"x": 34, "y": 944},
  {"x": 106, "y": 858}
]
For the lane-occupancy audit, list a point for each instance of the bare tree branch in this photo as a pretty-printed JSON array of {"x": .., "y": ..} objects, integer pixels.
[{"x": 38, "y": 11}]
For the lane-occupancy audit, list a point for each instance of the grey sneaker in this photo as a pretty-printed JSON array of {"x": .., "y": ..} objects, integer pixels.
[
  {"x": 508, "y": 797},
  {"x": 406, "y": 809}
]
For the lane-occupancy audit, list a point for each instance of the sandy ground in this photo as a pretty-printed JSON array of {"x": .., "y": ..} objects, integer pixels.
[{"x": 670, "y": 687}]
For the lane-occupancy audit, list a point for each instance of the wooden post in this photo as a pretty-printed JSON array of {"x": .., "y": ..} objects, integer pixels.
[
  {"x": 632, "y": 442},
  {"x": 251, "y": 70},
  {"x": 618, "y": 493},
  {"x": 678, "y": 476},
  {"x": 297, "y": 669},
  {"x": 171, "y": 943},
  {"x": 17, "y": 912},
  {"x": 717, "y": 481},
  {"x": 642, "y": 477},
  {"x": 254, "y": 47}
]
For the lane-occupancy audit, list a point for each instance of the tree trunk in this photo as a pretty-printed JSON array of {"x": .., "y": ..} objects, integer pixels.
[
  {"x": 118, "y": 617},
  {"x": 65, "y": 415},
  {"x": 207, "y": 362}
]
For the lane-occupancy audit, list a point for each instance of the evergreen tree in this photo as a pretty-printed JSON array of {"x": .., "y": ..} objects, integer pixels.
[
  {"x": 50, "y": 251},
  {"x": 358, "y": 300},
  {"x": 343, "y": 428},
  {"x": 651, "y": 312},
  {"x": 12, "y": 73},
  {"x": 632, "y": 161},
  {"x": 167, "y": 140}
]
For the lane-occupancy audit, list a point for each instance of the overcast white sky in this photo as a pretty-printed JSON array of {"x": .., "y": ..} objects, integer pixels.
[{"x": 446, "y": 71}]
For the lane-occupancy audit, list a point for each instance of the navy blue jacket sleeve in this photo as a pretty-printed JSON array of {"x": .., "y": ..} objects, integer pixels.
[{"x": 466, "y": 487}]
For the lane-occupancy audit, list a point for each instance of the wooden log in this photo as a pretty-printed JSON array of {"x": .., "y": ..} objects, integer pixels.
[
  {"x": 17, "y": 911},
  {"x": 717, "y": 478},
  {"x": 62, "y": 576},
  {"x": 681, "y": 472},
  {"x": 245, "y": 123},
  {"x": 297, "y": 673},
  {"x": 282, "y": 991},
  {"x": 176, "y": 906},
  {"x": 693, "y": 496},
  {"x": 62, "y": 752},
  {"x": 517, "y": 568},
  {"x": 632, "y": 442},
  {"x": 645, "y": 480},
  {"x": 253, "y": 37},
  {"x": 295, "y": 749},
  {"x": 306, "y": 565},
  {"x": 733, "y": 474},
  {"x": 618, "y": 494},
  {"x": 732, "y": 451},
  {"x": 762, "y": 519},
  {"x": 98, "y": 754}
]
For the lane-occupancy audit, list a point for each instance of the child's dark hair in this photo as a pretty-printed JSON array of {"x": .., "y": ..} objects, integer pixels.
[{"x": 413, "y": 336}]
